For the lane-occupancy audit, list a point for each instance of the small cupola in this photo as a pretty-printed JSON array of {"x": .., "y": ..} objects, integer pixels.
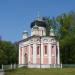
[
  {"x": 52, "y": 32},
  {"x": 38, "y": 27},
  {"x": 35, "y": 26},
  {"x": 35, "y": 30},
  {"x": 24, "y": 34}
]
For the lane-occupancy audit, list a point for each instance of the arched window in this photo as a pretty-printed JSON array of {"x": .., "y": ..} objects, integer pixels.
[
  {"x": 52, "y": 46},
  {"x": 38, "y": 48},
  {"x": 45, "y": 48}
]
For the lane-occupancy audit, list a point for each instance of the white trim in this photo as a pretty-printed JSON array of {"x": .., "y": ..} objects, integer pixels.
[
  {"x": 58, "y": 53},
  {"x": 49, "y": 53}
]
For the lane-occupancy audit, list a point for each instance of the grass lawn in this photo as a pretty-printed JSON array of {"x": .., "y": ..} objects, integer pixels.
[{"x": 26, "y": 71}]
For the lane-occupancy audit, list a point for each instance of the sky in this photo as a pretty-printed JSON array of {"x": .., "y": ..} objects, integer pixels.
[{"x": 17, "y": 15}]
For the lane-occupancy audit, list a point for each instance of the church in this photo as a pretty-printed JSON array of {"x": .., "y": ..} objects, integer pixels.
[{"x": 39, "y": 50}]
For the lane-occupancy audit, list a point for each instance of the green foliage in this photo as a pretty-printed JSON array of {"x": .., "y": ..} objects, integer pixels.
[
  {"x": 48, "y": 24},
  {"x": 67, "y": 38},
  {"x": 8, "y": 53},
  {"x": 64, "y": 26},
  {"x": 67, "y": 46}
]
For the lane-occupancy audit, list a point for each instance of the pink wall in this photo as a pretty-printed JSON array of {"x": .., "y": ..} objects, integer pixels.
[
  {"x": 45, "y": 56},
  {"x": 21, "y": 55}
]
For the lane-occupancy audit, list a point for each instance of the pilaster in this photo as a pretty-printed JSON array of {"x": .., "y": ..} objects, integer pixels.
[
  {"x": 58, "y": 56},
  {"x": 41, "y": 53},
  {"x": 49, "y": 52},
  {"x": 34, "y": 53}
]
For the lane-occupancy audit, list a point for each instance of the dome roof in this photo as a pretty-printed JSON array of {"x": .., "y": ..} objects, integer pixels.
[
  {"x": 24, "y": 32},
  {"x": 51, "y": 30},
  {"x": 39, "y": 23},
  {"x": 35, "y": 26}
]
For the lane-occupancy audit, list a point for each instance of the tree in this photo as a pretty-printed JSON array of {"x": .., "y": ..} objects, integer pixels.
[
  {"x": 67, "y": 38},
  {"x": 64, "y": 26},
  {"x": 8, "y": 52}
]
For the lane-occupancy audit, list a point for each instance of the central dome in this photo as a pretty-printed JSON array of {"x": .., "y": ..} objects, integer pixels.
[{"x": 39, "y": 23}]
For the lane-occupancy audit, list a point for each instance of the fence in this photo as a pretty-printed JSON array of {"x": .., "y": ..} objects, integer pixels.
[
  {"x": 68, "y": 65},
  {"x": 8, "y": 67}
]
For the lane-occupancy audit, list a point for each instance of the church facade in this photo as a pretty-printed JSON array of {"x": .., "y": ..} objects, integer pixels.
[{"x": 39, "y": 50}]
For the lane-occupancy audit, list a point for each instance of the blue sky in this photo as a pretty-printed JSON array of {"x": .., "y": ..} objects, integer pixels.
[{"x": 16, "y": 15}]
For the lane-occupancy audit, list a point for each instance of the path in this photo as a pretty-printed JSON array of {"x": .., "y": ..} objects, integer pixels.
[{"x": 1, "y": 72}]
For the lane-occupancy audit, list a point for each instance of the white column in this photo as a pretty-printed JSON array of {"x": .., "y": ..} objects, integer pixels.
[
  {"x": 20, "y": 57},
  {"x": 34, "y": 53},
  {"x": 29, "y": 54},
  {"x": 19, "y": 54},
  {"x": 41, "y": 53},
  {"x": 55, "y": 54},
  {"x": 49, "y": 53},
  {"x": 58, "y": 53}
]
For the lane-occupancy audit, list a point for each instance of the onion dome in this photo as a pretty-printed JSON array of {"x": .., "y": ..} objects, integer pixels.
[
  {"x": 24, "y": 32},
  {"x": 39, "y": 22},
  {"x": 35, "y": 26},
  {"x": 52, "y": 32}
]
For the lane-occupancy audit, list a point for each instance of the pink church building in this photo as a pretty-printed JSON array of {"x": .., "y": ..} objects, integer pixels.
[{"x": 39, "y": 50}]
